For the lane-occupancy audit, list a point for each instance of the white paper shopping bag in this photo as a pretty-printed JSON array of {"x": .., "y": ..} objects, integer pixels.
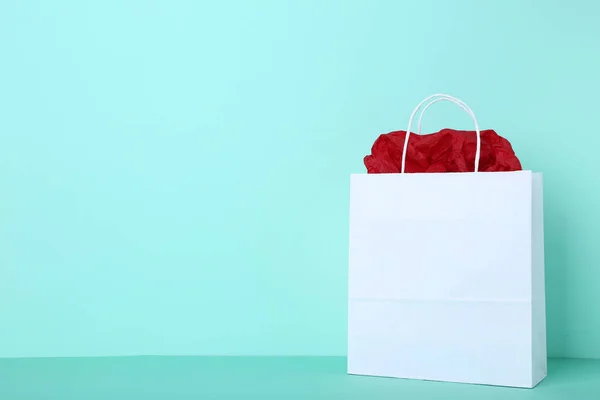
[{"x": 446, "y": 276}]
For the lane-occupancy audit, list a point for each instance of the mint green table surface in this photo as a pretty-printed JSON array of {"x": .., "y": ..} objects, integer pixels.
[{"x": 282, "y": 378}]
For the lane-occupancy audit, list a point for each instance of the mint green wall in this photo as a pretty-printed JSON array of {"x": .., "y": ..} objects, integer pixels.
[{"x": 174, "y": 174}]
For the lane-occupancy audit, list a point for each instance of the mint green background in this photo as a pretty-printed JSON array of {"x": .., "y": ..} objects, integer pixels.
[
  {"x": 260, "y": 378},
  {"x": 174, "y": 174}
]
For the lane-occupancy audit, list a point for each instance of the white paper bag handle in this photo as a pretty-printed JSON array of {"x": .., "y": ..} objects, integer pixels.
[
  {"x": 449, "y": 98},
  {"x": 442, "y": 97}
]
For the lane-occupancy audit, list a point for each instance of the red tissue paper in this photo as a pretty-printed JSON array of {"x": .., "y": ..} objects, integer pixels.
[{"x": 448, "y": 150}]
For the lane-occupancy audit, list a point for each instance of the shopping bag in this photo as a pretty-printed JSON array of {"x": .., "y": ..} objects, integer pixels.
[{"x": 446, "y": 275}]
